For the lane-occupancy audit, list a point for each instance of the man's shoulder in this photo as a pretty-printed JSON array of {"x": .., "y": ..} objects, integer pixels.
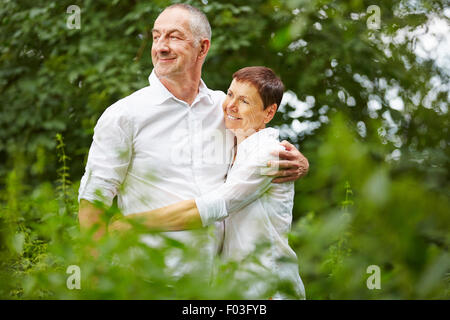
[
  {"x": 217, "y": 95},
  {"x": 137, "y": 98},
  {"x": 123, "y": 111},
  {"x": 128, "y": 104}
]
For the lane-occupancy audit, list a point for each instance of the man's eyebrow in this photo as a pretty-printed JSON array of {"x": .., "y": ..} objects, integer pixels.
[{"x": 169, "y": 31}]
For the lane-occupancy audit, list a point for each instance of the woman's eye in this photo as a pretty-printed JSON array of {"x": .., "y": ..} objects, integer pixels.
[
  {"x": 245, "y": 101},
  {"x": 229, "y": 94}
]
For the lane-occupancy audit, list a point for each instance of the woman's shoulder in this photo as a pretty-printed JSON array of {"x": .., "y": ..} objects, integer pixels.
[{"x": 262, "y": 146}]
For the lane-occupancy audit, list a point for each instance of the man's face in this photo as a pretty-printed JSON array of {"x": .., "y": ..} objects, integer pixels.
[{"x": 173, "y": 50}]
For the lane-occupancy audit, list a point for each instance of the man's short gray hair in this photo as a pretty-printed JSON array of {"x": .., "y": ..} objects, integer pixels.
[{"x": 200, "y": 26}]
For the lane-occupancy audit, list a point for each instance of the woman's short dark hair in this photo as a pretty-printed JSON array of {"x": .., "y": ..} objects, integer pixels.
[{"x": 269, "y": 85}]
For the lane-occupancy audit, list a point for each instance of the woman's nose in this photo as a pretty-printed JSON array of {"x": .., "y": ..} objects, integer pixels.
[{"x": 232, "y": 105}]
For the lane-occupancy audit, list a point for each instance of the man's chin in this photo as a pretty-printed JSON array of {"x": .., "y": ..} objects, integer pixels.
[
  {"x": 164, "y": 67},
  {"x": 165, "y": 71}
]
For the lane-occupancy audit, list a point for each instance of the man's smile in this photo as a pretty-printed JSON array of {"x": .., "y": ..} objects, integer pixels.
[{"x": 166, "y": 59}]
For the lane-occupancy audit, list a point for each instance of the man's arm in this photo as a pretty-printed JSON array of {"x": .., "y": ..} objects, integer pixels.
[
  {"x": 292, "y": 164},
  {"x": 182, "y": 215},
  {"x": 90, "y": 216},
  {"x": 106, "y": 168},
  {"x": 244, "y": 185}
]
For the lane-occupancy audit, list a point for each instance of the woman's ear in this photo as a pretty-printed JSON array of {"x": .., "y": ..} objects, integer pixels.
[{"x": 270, "y": 113}]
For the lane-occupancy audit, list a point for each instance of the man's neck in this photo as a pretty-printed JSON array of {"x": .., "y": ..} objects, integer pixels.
[{"x": 184, "y": 88}]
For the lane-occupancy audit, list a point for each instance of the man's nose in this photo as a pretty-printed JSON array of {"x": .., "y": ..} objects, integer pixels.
[{"x": 161, "y": 45}]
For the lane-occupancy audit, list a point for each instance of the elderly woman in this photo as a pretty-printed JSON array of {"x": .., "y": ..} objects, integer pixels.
[{"x": 256, "y": 210}]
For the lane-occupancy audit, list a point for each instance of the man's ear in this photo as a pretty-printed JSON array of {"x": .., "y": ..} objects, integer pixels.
[
  {"x": 270, "y": 112},
  {"x": 205, "y": 44}
]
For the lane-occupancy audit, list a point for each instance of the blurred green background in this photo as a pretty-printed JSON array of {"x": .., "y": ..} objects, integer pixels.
[{"x": 367, "y": 104}]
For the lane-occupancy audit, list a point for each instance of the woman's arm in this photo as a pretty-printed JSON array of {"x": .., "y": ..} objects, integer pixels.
[
  {"x": 248, "y": 180},
  {"x": 243, "y": 186},
  {"x": 182, "y": 215}
]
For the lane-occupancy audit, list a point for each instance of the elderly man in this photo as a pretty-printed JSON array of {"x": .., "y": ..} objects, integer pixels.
[{"x": 166, "y": 142}]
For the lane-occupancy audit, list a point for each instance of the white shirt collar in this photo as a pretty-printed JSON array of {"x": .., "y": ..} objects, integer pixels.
[
  {"x": 263, "y": 134},
  {"x": 164, "y": 94}
]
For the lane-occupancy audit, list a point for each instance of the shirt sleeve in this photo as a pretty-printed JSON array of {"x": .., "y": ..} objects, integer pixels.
[
  {"x": 246, "y": 182},
  {"x": 108, "y": 159}
]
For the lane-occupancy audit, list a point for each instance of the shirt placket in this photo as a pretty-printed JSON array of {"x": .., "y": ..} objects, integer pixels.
[{"x": 194, "y": 124}]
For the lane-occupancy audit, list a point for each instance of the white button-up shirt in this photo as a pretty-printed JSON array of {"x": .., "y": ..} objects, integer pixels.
[
  {"x": 152, "y": 150},
  {"x": 258, "y": 211}
]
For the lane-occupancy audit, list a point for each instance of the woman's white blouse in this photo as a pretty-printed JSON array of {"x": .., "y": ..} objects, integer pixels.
[{"x": 257, "y": 210}]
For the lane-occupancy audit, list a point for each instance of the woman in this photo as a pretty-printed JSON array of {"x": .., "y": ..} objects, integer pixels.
[{"x": 257, "y": 210}]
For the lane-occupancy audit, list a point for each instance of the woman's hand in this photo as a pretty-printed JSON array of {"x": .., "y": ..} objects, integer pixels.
[{"x": 292, "y": 164}]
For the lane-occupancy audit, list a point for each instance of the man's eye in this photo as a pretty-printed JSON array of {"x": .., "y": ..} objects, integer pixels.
[
  {"x": 245, "y": 101},
  {"x": 155, "y": 38},
  {"x": 174, "y": 38},
  {"x": 229, "y": 94}
]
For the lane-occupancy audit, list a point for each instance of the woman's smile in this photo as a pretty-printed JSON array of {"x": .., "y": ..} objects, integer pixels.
[{"x": 229, "y": 116}]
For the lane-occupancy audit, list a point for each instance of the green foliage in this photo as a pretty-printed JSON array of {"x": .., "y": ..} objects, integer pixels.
[
  {"x": 380, "y": 218},
  {"x": 377, "y": 191},
  {"x": 42, "y": 239}
]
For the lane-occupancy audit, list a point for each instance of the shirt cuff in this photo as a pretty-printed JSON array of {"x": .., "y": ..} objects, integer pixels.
[
  {"x": 96, "y": 189},
  {"x": 211, "y": 208}
]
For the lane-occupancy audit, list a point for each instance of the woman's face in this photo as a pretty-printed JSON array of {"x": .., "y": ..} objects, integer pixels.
[{"x": 243, "y": 108}]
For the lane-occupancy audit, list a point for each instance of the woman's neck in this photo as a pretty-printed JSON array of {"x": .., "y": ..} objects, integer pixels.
[
  {"x": 241, "y": 135},
  {"x": 240, "y": 138}
]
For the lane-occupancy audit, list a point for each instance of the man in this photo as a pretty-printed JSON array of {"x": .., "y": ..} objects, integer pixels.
[{"x": 166, "y": 142}]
